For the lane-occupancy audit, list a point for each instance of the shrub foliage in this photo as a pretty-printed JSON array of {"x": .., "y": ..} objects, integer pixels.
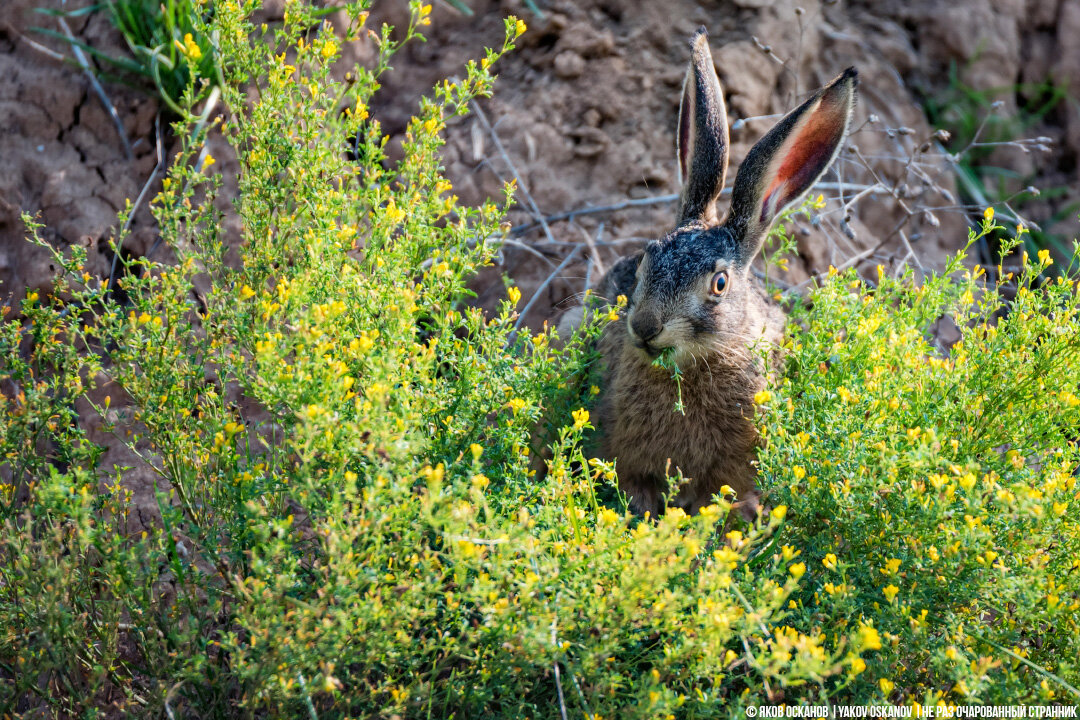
[{"x": 351, "y": 521}]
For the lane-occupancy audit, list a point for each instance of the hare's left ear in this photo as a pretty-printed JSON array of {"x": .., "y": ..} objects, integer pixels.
[
  {"x": 703, "y": 136},
  {"x": 786, "y": 163}
]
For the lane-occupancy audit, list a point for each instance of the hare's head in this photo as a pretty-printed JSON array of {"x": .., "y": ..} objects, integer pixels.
[{"x": 693, "y": 286}]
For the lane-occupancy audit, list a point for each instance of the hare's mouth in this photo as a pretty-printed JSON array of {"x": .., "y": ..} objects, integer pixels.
[{"x": 649, "y": 349}]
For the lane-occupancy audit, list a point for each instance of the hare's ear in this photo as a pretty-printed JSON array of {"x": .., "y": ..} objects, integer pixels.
[
  {"x": 786, "y": 163},
  {"x": 703, "y": 136}
]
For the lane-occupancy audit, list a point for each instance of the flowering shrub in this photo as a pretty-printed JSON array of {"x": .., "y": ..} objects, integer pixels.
[
  {"x": 351, "y": 522},
  {"x": 933, "y": 495}
]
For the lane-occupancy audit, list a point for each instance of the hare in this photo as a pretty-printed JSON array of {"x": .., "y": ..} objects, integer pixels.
[{"x": 692, "y": 295}]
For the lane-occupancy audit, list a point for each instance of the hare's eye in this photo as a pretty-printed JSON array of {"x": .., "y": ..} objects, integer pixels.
[{"x": 719, "y": 283}]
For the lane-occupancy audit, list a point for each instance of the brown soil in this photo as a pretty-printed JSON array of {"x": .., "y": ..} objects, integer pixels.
[{"x": 584, "y": 113}]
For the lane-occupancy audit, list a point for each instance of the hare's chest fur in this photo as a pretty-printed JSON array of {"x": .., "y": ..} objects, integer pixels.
[{"x": 712, "y": 444}]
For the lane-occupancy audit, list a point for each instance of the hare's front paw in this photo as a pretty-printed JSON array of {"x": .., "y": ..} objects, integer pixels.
[
  {"x": 749, "y": 506},
  {"x": 645, "y": 495}
]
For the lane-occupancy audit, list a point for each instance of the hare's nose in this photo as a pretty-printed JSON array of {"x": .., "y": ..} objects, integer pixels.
[{"x": 646, "y": 325}]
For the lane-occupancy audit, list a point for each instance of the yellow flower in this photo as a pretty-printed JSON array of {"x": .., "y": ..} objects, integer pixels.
[
  {"x": 613, "y": 315},
  {"x": 1044, "y": 257},
  {"x": 829, "y": 562},
  {"x": 675, "y": 513},
  {"x": 891, "y": 566},
  {"x": 799, "y": 472},
  {"x": 581, "y": 417},
  {"x": 246, "y": 292},
  {"x": 608, "y": 516},
  {"x": 364, "y": 343},
  {"x": 476, "y": 451},
  {"x": 519, "y": 28},
  {"x": 762, "y": 397},
  {"x": 514, "y": 294},
  {"x": 394, "y": 213},
  {"x": 710, "y": 512},
  {"x": 208, "y": 161},
  {"x": 797, "y": 570},
  {"x": 329, "y": 49},
  {"x": 517, "y": 405},
  {"x": 468, "y": 548},
  {"x": 779, "y": 512},
  {"x": 189, "y": 47},
  {"x": 988, "y": 214},
  {"x": 869, "y": 638},
  {"x": 890, "y": 592},
  {"x": 857, "y": 665},
  {"x": 886, "y": 684}
]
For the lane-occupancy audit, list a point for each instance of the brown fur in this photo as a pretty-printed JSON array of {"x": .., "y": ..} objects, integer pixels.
[{"x": 714, "y": 443}]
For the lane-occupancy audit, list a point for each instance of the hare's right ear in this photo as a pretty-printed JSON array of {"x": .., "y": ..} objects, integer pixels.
[
  {"x": 786, "y": 163},
  {"x": 703, "y": 136}
]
